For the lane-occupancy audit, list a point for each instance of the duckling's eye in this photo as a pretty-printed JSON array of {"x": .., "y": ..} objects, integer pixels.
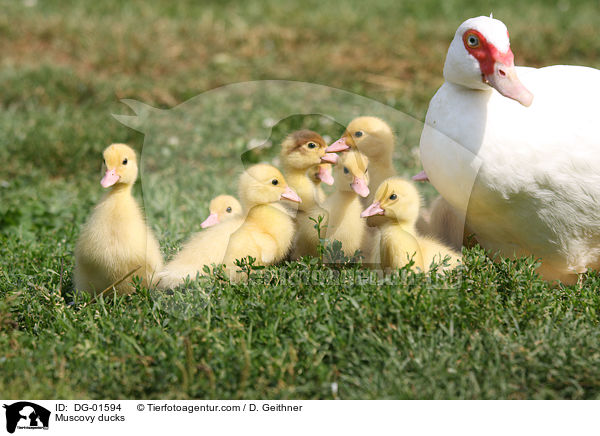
[
  {"x": 312, "y": 145},
  {"x": 346, "y": 170},
  {"x": 393, "y": 197},
  {"x": 473, "y": 41},
  {"x": 358, "y": 134},
  {"x": 228, "y": 210},
  {"x": 125, "y": 161},
  {"x": 275, "y": 181}
]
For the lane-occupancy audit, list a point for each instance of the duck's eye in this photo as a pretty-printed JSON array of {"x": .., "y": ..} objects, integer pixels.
[
  {"x": 274, "y": 181},
  {"x": 312, "y": 145},
  {"x": 346, "y": 170},
  {"x": 393, "y": 197},
  {"x": 125, "y": 161},
  {"x": 358, "y": 134},
  {"x": 473, "y": 41},
  {"x": 228, "y": 210}
]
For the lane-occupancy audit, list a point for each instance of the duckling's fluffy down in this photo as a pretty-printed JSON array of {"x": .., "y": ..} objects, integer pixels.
[
  {"x": 205, "y": 248},
  {"x": 115, "y": 239}
]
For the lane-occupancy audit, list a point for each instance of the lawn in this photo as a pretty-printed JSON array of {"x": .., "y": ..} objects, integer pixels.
[{"x": 490, "y": 330}]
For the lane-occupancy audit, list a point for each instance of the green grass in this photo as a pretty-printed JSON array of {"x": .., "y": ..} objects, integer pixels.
[{"x": 492, "y": 330}]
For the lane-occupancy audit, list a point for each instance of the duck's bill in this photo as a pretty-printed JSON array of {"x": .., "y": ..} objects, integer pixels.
[
  {"x": 212, "y": 220},
  {"x": 290, "y": 194},
  {"x": 337, "y": 146},
  {"x": 325, "y": 175},
  {"x": 109, "y": 179},
  {"x": 374, "y": 209},
  {"x": 359, "y": 186},
  {"x": 504, "y": 80},
  {"x": 421, "y": 177},
  {"x": 331, "y": 158}
]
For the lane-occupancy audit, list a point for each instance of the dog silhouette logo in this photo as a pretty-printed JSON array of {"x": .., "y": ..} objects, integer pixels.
[{"x": 26, "y": 415}]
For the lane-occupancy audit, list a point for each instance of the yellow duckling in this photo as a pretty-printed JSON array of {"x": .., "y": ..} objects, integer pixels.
[
  {"x": 222, "y": 208},
  {"x": 300, "y": 151},
  {"x": 268, "y": 230},
  {"x": 374, "y": 138},
  {"x": 343, "y": 207},
  {"x": 398, "y": 201},
  {"x": 206, "y": 247},
  {"x": 115, "y": 239}
]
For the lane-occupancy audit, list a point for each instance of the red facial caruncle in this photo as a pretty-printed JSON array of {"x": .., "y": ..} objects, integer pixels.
[{"x": 487, "y": 54}]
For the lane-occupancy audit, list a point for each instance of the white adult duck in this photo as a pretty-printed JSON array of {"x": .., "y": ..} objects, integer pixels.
[{"x": 524, "y": 171}]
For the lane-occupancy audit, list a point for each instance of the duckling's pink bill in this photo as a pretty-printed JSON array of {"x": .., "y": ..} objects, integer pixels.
[
  {"x": 421, "y": 177},
  {"x": 339, "y": 145},
  {"x": 109, "y": 179},
  {"x": 374, "y": 209},
  {"x": 290, "y": 194},
  {"x": 331, "y": 158},
  {"x": 212, "y": 219},
  {"x": 325, "y": 175},
  {"x": 359, "y": 186}
]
